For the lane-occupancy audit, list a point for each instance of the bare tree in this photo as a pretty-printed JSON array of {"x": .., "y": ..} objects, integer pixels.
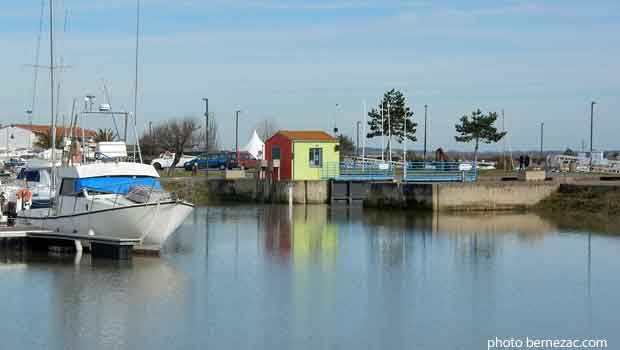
[
  {"x": 148, "y": 145},
  {"x": 213, "y": 142},
  {"x": 198, "y": 139},
  {"x": 174, "y": 134},
  {"x": 266, "y": 128}
]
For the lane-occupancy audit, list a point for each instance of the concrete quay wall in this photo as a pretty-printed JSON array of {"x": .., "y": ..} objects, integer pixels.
[
  {"x": 479, "y": 196},
  {"x": 252, "y": 190},
  {"x": 492, "y": 195}
]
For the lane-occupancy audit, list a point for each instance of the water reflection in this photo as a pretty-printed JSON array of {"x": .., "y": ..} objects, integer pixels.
[
  {"x": 304, "y": 233},
  {"x": 270, "y": 277},
  {"x": 93, "y": 301}
]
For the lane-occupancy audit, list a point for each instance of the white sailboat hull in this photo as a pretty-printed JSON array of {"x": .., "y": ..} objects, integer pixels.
[{"x": 151, "y": 223}]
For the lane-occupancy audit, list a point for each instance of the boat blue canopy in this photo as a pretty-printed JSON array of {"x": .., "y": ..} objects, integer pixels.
[{"x": 115, "y": 184}]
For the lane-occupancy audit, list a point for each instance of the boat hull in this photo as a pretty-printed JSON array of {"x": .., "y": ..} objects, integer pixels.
[{"x": 152, "y": 223}]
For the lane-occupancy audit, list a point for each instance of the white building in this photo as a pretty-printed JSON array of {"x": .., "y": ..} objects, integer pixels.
[
  {"x": 15, "y": 138},
  {"x": 18, "y": 137}
]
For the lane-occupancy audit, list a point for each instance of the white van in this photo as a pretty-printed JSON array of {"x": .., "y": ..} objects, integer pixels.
[{"x": 165, "y": 161}]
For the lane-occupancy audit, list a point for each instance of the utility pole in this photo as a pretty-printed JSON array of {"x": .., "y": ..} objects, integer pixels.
[
  {"x": 591, "y": 131},
  {"x": 425, "y": 122}
]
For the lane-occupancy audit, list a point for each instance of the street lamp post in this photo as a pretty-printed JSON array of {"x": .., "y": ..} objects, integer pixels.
[
  {"x": 357, "y": 144},
  {"x": 90, "y": 99},
  {"x": 237, "y": 134},
  {"x": 206, "y": 137},
  {"x": 336, "y": 118},
  {"x": 591, "y": 131},
  {"x": 29, "y": 113},
  {"x": 542, "y": 130},
  {"x": 206, "y": 127},
  {"x": 425, "y": 122},
  {"x": 542, "y": 136}
]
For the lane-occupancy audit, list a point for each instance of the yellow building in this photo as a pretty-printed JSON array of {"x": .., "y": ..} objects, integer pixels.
[{"x": 302, "y": 155}]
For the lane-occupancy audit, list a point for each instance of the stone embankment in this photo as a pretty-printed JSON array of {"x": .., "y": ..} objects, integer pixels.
[{"x": 453, "y": 196}]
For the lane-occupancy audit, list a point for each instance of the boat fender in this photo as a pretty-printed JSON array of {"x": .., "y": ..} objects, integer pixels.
[{"x": 25, "y": 196}]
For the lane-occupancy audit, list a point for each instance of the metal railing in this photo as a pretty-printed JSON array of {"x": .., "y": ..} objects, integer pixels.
[
  {"x": 440, "y": 172},
  {"x": 357, "y": 170},
  {"x": 364, "y": 170}
]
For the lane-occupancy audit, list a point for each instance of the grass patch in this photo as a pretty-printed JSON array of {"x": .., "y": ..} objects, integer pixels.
[
  {"x": 583, "y": 201},
  {"x": 175, "y": 173},
  {"x": 195, "y": 192},
  {"x": 497, "y": 173}
]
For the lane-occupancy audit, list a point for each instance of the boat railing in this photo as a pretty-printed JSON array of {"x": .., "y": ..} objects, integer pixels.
[{"x": 92, "y": 199}]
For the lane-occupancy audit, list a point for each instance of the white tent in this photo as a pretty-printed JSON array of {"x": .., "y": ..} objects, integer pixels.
[{"x": 255, "y": 146}]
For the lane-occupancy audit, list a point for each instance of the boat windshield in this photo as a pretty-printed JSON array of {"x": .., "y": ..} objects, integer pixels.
[{"x": 115, "y": 184}]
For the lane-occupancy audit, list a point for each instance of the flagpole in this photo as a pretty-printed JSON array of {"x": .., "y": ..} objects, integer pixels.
[
  {"x": 382, "y": 133},
  {"x": 389, "y": 134},
  {"x": 364, "y": 132},
  {"x": 405, "y": 150}
]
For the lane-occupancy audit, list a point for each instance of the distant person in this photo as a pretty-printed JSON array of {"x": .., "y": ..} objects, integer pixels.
[
  {"x": 527, "y": 161},
  {"x": 195, "y": 169},
  {"x": 521, "y": 162}
]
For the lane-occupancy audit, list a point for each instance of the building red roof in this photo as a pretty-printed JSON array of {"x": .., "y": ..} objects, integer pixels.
[
  {"x": 307, "y": 135},
  {"x": 45, "y": 129}
]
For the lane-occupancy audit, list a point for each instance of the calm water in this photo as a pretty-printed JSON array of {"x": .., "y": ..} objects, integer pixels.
[{"x": 254, "y": 278}]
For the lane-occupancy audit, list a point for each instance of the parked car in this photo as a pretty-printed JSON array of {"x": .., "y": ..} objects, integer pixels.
[
  {"x": 165, "y": 161},
  {"x": 223, "y": 160},
  {"x": 247, "y": 161}
]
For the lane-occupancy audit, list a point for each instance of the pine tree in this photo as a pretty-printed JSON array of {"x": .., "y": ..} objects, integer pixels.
[
  {"x": 395, "y": 106},
  {"x": 479, "y": 129}
]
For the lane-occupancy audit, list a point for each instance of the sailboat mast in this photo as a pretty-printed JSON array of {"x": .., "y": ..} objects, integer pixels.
[
  {"x": 53, "y": 121},
  {"x": 135, "y": 92},
  {"x": 36, "y": 62}
]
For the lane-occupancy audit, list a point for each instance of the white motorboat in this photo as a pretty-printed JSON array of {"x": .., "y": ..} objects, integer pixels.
[
  {"x": 117, "y": 200},
  {"x": 107, "y": 199}
]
